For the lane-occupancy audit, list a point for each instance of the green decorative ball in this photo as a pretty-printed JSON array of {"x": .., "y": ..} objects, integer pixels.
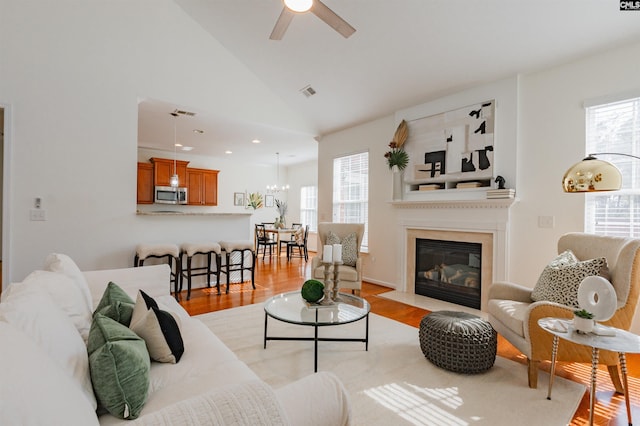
[{"x": 312, "y": 290}]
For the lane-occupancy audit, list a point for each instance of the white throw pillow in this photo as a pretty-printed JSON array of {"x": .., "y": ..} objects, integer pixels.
[
  {"x": 34, "y": 390},
  {"x": 158, "y": 328},
  {"x": 65, "y": 294},
  {"x": 35, "y": 315},
  {"x": 57, "y": 262}
]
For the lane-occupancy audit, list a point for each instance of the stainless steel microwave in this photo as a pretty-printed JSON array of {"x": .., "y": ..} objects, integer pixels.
[{"x": 170, "y": 195}]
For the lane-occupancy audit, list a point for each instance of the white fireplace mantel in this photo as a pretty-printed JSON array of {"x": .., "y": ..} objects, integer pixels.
[
  {"x": 498, "y": 203},
  {"x": 472, "y": 217}
]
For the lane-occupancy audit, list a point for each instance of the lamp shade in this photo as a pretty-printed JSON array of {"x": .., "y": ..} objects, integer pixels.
[{"x": 590, "y": 175}]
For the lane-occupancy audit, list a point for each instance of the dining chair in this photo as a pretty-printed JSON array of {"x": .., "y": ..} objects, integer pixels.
[
  {"x": 264, "y": 240},
  {"x": 284, "y": 243},
  {"x": 299, "y": 241}
]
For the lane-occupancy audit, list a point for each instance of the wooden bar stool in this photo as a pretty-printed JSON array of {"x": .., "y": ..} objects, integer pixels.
[
  {"x": 191, "y": 249},
  {"x": 159, "y": 251},
  {"x": 238, "y": 248}
]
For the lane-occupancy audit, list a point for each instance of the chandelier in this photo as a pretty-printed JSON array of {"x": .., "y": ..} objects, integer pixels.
[{"x": 274, "y": 189}]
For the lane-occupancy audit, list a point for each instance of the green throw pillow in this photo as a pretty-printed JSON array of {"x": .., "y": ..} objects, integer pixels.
[
  {"x": 113, "y": 294},
  {"x": 118, "y": 311},
  {"x": 119, "y": 363}
]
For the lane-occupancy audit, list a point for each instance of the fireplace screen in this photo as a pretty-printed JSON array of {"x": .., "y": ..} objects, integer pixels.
[{"x": 449, "y": 271}]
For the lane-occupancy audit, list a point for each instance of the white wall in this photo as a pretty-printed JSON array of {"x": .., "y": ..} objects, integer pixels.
[
  {"x": 544, "y": 133},
  {"x": 374, "y": 137},
  {"x": 302, "y": 174},
  {"x": 72, "y": 73},
  {"x": 552, "y": 138}
]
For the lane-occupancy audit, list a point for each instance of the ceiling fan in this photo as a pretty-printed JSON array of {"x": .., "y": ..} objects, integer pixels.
[{"x": 291, "y": 7}]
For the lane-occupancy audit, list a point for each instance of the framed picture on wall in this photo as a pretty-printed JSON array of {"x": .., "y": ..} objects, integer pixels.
[
  {"x": 238, "y": 198},
  {"x": 268, "y": 200}
]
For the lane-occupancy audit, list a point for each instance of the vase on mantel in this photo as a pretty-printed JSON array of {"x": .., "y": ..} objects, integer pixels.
[{"x": 396, "y": 179}]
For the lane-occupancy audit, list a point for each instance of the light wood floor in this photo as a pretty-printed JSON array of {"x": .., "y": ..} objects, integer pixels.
[{"x": 277, "y": 276}]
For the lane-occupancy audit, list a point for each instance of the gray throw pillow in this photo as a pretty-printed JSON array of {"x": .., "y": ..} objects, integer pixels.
[
  {"x": 349, "y": 247},
  {"x": 561, "y": 278}
]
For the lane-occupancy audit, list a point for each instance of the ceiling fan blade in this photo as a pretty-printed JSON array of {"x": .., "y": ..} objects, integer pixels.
[
  {"x": 281, "y": 24},
  {"x": 330, "y": 18}
]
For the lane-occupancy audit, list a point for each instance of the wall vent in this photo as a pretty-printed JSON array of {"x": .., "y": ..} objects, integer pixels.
[
  {"x": 182, "y": 112},
  {"x": 308, "y": 91}
]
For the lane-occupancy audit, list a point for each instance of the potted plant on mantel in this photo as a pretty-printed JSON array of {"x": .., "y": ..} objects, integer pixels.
[{"x": 583, "y": 321}]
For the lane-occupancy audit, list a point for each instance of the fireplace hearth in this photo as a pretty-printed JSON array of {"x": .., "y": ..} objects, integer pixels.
[{"x": 449, "y": 271}]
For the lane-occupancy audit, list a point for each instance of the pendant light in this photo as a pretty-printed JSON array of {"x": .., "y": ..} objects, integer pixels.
[
  {"x": 275, "y": 188},
  {"x": 174, "y": 181}
]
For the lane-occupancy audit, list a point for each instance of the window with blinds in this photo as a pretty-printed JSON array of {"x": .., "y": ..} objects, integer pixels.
[
  {"x": 309, "y": 207},
  {"x": 351, "y": 191},
  {"x": 615, "y": 128}
]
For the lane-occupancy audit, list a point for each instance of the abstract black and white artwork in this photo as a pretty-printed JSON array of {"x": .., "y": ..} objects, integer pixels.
[{"x": 454, "y": 143}]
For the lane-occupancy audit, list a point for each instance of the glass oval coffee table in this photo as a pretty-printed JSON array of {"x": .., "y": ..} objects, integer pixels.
[{"x": 292, "y": 308}]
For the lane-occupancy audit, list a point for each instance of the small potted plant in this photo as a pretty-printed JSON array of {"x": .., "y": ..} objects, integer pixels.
[{"x": 583, "y": 321}]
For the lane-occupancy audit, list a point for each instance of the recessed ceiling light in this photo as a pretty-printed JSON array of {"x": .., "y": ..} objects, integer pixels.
[
  {"x": 228, "y": 152},
  {"x": 198, "y": 131},
  {"x": 178, "y": 145},
  {"x": 255, "y": 141},
  {"x": 187, "y": 148}
]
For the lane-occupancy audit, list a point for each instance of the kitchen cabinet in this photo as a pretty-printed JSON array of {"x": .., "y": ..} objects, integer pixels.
[
  {"x": 163, "y": 169},
  {"x": 202, "y": 187},
  {"x": 145, "y": 183}
]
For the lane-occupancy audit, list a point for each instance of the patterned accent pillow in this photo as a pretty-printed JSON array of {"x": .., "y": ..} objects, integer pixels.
[
  {"x": 561, "y": 278},
  {"x": 298, "y": 236},
  {"x": 349, "y": 247}
]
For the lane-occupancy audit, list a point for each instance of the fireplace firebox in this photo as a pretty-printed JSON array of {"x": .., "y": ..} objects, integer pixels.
[{"x": 449, "y": 271}]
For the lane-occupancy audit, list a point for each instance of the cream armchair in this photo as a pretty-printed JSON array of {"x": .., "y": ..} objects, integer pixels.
[
  {"x": 350, "y": 276},
  {"x": 515, "y": 316}
]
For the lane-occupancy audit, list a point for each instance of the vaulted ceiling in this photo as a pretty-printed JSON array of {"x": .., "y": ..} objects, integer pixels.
[{"x": 404, "y": 52}]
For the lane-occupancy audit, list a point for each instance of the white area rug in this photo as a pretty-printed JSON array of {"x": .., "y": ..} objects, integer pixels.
[{"x": 393, "y": 383}]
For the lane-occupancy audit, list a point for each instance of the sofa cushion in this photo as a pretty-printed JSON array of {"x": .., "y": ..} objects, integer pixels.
[
  {"x": 349, "y": 246},
  {"x": 65, "y": 294},
  {"x": 158, "y": 328},
  {"x": 35, "y": 315},
  {"x": 120, "y": 366},
  {"x": 121, "y": 312},
  {"x": 246, "y": 403},
  {"x": 35, "y": 390},
  {"x": 509, "y": 312},
  {"x": 61, "y": 263},
  {"x": 561, "y": 278}
]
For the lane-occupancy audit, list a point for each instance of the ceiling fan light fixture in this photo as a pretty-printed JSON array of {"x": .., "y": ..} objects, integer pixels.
[{"x": 299, "y": 6}]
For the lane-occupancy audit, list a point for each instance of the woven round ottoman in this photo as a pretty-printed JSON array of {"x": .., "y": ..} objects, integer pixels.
[{"x": 458, "y": 341}]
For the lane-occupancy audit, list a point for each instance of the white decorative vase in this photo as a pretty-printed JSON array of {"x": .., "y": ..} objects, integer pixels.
[
  {"x": 582, "y": 325},
  {"x": 396, "y": 176}
]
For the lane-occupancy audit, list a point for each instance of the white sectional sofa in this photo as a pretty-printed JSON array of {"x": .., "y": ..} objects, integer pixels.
[{"x": 46, "y": 379}]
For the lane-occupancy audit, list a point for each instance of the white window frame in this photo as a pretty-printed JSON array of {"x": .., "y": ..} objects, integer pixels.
[
  {"x": 351, "y": 192},
  {"x": 309, "y": 206},
  {"x": 614, "y": 127}
]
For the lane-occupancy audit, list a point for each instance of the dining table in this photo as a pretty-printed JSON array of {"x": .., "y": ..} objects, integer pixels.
[{"x": 279, "y": 232}]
